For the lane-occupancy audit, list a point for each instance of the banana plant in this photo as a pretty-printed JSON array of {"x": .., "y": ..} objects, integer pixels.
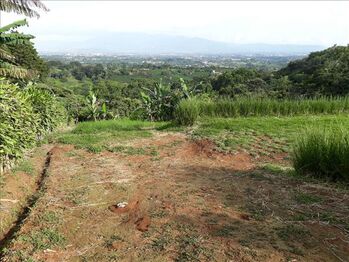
[
  {"x": 8, "y": 66},
  {"x": 92, "y": 106}
]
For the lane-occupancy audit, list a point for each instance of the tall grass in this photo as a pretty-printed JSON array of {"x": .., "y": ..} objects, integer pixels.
[
  {"x": 323, "y": 154},
  {"x": 188, "y": 111}
]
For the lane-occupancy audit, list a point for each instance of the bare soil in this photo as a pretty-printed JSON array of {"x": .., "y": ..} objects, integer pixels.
[{"x": 187, "y": 202}]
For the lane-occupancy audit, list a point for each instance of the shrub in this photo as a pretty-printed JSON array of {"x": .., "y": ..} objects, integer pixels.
[
  {"x": 25, "y": 116},
  {"x": 187, "y": 111},
  {"x": 323, "y": 154}
]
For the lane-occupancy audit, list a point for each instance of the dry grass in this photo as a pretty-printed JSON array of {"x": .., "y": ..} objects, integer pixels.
[{"x": 195, "y": 203}]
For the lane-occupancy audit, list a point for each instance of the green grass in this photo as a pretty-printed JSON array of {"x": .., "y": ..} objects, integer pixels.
[
  {"x": 25, "y": 166},
  {"x": 101, "y": 135},
  {"x": 323, "y": 153},
  {"x": 304, "y": 198},
  {"x": 262, "y": 135},
  {"x": 44, "y": 239},
  {"x": 188, "y": 111}
]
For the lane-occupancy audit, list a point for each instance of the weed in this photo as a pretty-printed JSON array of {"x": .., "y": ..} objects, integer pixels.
[
  {"x": 159, "y": 244},
  {"x": 226, "y": 231},
  {"x": 303, "y": 198},
  {"x": 50, "y": 217},
  {"x": 44, "y": 239},
  {"x": 292, "y": 232},
  {"x": 189, "y": 248},
  {"x": 108, "y": 243},
  {"x": 25, "y": 166}
]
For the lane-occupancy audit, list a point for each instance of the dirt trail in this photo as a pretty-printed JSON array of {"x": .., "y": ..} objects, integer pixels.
[{"x": 187, "y": 202}]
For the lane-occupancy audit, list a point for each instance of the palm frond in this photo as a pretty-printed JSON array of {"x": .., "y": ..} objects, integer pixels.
[{"x": 25, "y": 7}]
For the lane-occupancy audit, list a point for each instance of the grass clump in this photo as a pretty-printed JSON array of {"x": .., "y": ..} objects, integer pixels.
[
  {"x": 187, "y": 111},
  {"x": 323, "y": 153}
]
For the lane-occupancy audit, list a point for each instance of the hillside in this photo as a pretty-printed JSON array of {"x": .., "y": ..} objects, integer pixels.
[{"x": 323, "y": 73}]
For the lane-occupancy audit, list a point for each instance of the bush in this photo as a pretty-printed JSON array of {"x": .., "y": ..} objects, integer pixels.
[
  {"x": 187, "y": 111},
  {"x": 323, "y": 154},
  {"x": 25, "y": 116}
]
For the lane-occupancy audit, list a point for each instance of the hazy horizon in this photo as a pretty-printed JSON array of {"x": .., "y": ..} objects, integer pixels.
[{"x": 282, "y": 23}]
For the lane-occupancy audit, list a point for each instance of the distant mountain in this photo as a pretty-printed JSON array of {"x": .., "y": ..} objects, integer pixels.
[{"x": 148, "y": 44}]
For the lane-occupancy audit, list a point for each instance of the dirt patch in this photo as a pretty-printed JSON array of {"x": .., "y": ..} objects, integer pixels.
[
  {"x": 143, "y": 223},
  {"x": 18, "y": 187},
  {"x": 189, "y": 202}
]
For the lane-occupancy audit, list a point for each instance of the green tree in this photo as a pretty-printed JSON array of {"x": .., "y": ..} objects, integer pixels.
[{"x": 26, "y": 56}]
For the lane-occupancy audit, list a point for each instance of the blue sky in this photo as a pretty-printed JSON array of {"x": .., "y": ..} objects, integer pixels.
[{"x": 294, "y": 22}]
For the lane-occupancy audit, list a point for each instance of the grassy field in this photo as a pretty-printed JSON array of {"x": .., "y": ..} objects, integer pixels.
[
  {"x": 188, "y": 198},
  {"x": 263, "y": 135},
  {"x": 105, "y": 135}
]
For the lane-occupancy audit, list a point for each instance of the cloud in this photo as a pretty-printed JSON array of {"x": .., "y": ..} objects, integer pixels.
[{"x": 295, "y": 22}]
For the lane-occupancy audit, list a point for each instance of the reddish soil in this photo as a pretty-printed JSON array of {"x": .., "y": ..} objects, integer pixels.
[{"x": 189, "y": 202}]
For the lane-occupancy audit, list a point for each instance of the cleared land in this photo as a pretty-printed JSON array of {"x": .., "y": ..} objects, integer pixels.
[{"x": 220, "y": 191}]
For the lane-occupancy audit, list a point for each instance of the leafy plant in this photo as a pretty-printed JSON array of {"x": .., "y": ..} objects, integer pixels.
[
  {"x": 160, "y": 102},
  {"x": 8, "y": 66},
  {"x": 157, "y": 102},
  {"x": 25, "y": 116},
  {"x": 27, "y": 7},
  {"x": 92, "y": 106}
]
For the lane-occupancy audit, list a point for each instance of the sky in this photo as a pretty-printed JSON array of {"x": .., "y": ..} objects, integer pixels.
[{"x": 273, "y": 22}]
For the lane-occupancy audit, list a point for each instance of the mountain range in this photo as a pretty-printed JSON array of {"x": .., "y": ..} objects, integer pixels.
[{"x": 156, "y": 44}]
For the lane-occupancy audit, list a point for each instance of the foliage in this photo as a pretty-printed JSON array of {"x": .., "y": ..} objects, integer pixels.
[
  {"x": 95, "y": 110},
  {"x": 244, "y": 107},
  {"x": 323, "y": 153},
  {"x": 160, "y": 102},
  {"x": 8, "y": 64},
  {"x": 321, "y": 73},
  {"x": 25, "y": 116},
  {"x": 27, "y": 7},
  {"x": 26, "y": 56},
  {"x": 187, "y": 112},
  {"x": 241, "y": 81}
]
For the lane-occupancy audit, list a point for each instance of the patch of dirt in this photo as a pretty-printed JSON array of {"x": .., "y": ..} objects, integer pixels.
[
  {"x": 143, "y": 223},
  {"x": 17, "y": 187},
  {"x": 189, "y": 202}
]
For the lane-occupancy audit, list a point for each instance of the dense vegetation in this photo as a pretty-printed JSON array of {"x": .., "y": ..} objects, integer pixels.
[
  {"x": 26, "y": 115},
  {"x": 321, "y": 73},
  {"x": 136, "y": 90},
  {"x": 323, "y": 153},
  {"x": 188, "y": 111},
  {"x": 27, "y": 112}
]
